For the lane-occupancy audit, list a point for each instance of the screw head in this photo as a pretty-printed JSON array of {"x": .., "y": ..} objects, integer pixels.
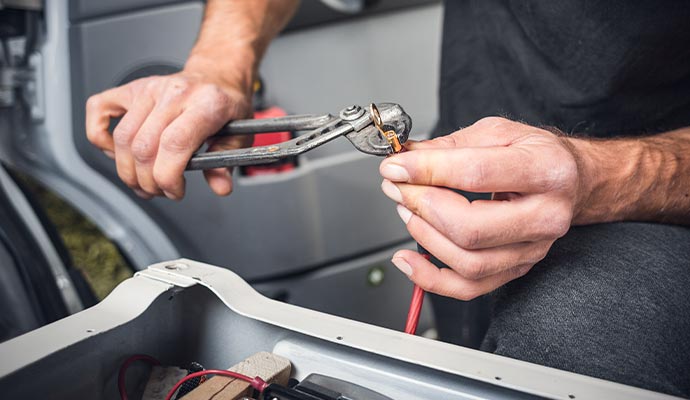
[
  {"x": 176, "y": 266},
  {"x": 352, "y": 112}
]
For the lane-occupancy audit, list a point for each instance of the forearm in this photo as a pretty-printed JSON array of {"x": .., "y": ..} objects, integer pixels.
[
  {"x": 643, "y": 179},
  {"x": 234, "y": 36}
]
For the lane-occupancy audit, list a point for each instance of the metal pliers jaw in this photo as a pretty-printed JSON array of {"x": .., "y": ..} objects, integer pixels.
[{"x": 355, "y": 123}]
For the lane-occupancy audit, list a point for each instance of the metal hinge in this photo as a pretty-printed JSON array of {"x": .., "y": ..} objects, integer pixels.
[{"x": 23, "y": 84}]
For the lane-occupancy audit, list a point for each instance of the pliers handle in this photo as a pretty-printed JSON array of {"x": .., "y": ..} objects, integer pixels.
[{"x": 355, "y": 123}]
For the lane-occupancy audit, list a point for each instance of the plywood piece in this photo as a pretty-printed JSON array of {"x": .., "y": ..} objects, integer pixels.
[
  {"x": 270, "y": 367},
  {"x": 161, "y": 380}
]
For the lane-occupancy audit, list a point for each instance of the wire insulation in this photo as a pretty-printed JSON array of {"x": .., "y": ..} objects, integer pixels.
[
  {"x": 121, "y": 385},
  {"x": 417, "y": 300},
  {"x": 415, "y": 310}
]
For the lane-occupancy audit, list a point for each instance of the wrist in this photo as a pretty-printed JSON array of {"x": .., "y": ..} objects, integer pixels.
[
  {"x": 230, "y": 68},
  {"x": 607, "y": 171}
]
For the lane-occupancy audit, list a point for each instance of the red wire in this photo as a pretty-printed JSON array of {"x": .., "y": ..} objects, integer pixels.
[
  {"x": 415, "y": 305},
  {"x": 415, "y": 310},
  {"x": 121, "y": 386},
  {"x": 256, "y": 382}
]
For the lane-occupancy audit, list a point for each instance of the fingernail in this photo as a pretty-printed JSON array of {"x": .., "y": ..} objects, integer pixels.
[
  {"x": 402, "y": 265},
  {"x": 391, "y": 190},
  {"x": 109, "y": 154},
  {"x": 142, "y": 194},
  {"x": 170, "y": 195},
  {"x": 404, "y": 213},
  {"x": 394, "y": 172}
]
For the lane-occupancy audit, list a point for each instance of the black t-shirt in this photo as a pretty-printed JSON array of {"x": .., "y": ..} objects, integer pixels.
[{"x": 599, "y": 68}]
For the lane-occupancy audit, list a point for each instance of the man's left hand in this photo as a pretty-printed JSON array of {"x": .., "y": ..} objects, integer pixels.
[{"x": 537, "y": 187}]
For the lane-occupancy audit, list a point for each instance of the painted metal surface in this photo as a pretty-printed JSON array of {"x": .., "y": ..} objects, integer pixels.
[{"x": 167, "y": 310}]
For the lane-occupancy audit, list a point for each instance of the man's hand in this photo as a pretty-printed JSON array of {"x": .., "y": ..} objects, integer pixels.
[
  {"x": 536, "y": 180},
  {"x": 165, "y": 119}
]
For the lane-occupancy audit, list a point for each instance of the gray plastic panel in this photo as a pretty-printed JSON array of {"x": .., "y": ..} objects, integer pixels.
[
  {"x": 310, "y": 12},
  {"x": 369, "y": 289},
  {"x": 314, "y": 12},
  {"x": 86, "y": 9},
  {"x": 331, "y": 207}
]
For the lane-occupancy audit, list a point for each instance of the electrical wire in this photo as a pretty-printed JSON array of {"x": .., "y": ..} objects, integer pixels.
[
  {"x": 415, "y": 310},
  {"x": 121, "y": 385},
  {"x": 256, "y": 382},
  {"x": 417, "y": 293},
  {"x": 416, "y": 302}
]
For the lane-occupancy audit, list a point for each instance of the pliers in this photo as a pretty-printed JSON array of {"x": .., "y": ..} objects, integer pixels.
[{"x": 377, "y": 130}]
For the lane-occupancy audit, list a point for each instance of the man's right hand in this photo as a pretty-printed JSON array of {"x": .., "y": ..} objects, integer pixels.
[{"x": 165, "y": 119}]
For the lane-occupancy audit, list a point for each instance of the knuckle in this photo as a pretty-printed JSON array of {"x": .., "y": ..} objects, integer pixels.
[
  {"x": 178, "y": 83},
  {"x": 176, "y": 140},
  {"x": 419, "y": 200},
  {"x": 539, "y": 254},
  {"x": 557, "y": 224},
  {"x": 141, "y": 84},
  {"x": 214, "y": 98},
  {"x": 123, "y": 134},
  {"x": 472, "y": 269},
  {"x": 468, "y": 294},
  {"x": 150, "y": 85},
  {"x": 143, "y": 150},
  {"x": 521, "y": 270},
  {"x": 492, "y": 122},
  {"x": 561, "y": 227},
  {"x": 447, "y": 141},
  {"x": 469, "y": 238},
  {"x": 560, "y": 175},
  {"x": 164, "y": 178},
  {"x": 94, "y": 103},
  {"x": 474, "y": 175},
  {"x": 128, "y": 177},
  {"x": 92, "y": 136}
]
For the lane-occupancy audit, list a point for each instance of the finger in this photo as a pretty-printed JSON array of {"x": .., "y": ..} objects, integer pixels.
[
  {"x": 100, "y": 108},
  {"x": 177, "y": 144},
  {"x": 220, "y": 179},
  {"x": 145, "y": 145},
  {"x": 446, "y": 282},
  {"x": 123, "y": 136},
  {"x": 473, "y": 264},
  {"x": 484, "y": 223},
  {"x": 487, "y": 132},
  {"x": 486, "y": 169}
]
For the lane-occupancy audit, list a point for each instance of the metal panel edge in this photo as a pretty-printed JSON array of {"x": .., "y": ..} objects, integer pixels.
[{"x": 526, "y": 377}]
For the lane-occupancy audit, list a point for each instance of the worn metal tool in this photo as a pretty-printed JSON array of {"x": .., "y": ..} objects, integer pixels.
[{"x": 374, "y": 131}]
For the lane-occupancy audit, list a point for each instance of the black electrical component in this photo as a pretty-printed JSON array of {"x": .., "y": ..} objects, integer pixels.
[
  {"x": 321, "y": 387},
  {"x": 192, "y": 383}
]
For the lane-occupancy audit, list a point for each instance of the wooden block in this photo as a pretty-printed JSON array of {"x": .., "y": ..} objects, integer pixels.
[
  {"x": 270, "y": 367},
  {"x": 161, "y": 380}
]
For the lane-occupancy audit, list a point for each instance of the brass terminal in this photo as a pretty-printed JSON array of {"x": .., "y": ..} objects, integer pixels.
[{"x": 389, "y": 135}]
